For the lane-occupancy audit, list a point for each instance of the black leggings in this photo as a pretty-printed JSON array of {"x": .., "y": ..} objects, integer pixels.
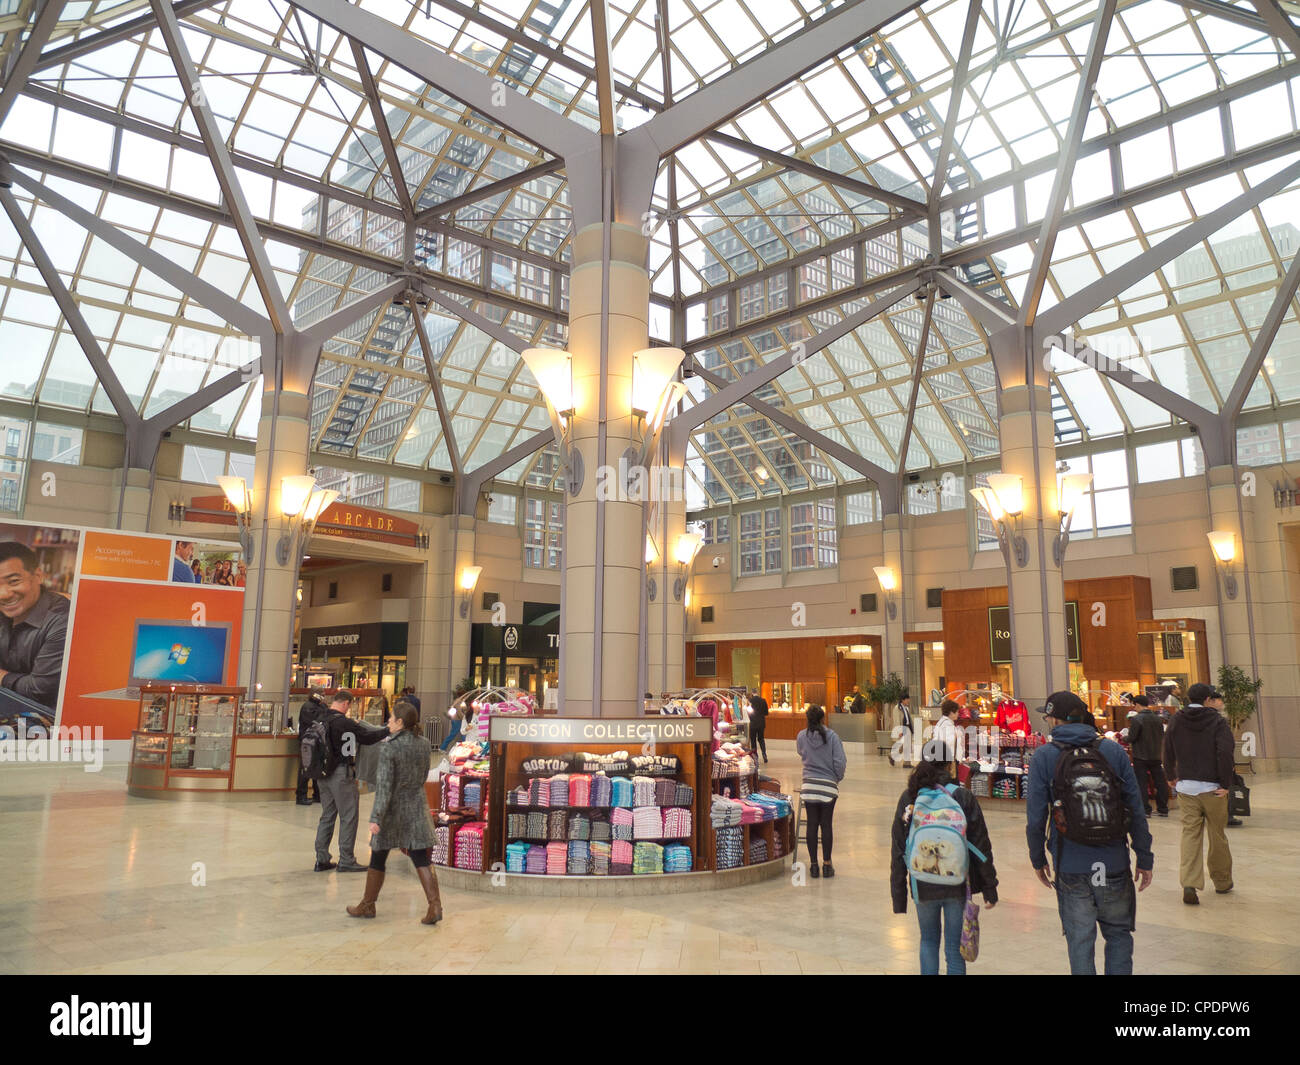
[
  {"x": 419, "y": 858},
  {"x": 819, "y": 816}
]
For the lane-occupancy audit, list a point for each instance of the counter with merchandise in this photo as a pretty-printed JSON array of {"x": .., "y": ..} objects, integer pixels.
[
  {"x": 583, "y": 806},
  {"x": 207, "y": 742}
]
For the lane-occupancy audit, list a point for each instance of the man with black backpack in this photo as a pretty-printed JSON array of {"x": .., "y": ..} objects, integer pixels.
[
  {"x": 341, "y": 798},
  {"x": 1084, "y": 806},
  {"x": 311, "y": 712}
]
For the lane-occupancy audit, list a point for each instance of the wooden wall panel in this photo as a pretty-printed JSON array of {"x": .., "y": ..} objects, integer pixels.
[
  {"x": 966, "y": 654},
  {"x": 776, "y": 661}
]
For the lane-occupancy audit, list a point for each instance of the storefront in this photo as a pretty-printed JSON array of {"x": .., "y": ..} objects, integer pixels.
[
  {"x": 791, "y": 673},
  {"x": 371, "y": 655},
  {"x": 525, "y": 656}
]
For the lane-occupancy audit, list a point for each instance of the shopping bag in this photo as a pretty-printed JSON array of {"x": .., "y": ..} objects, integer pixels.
[{"x": 970, "y": 928}]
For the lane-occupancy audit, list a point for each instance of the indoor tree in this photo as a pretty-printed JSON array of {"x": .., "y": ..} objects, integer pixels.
[
  {"x": 1238, "y": 696},
  {"x": 885, "y": 693}
]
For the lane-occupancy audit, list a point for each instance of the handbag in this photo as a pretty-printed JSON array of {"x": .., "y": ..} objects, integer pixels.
[{"x": 970, "y": 928}]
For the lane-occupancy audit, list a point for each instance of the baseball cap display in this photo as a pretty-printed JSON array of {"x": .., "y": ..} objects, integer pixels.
[{"x": 1062, "y": 704}]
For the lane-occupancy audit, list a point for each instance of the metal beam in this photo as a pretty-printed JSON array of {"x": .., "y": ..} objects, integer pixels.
[
  {"x": 1259, "y": 350},
  {"x": 472, "y": 483},
  {"x": 1106, "y": 288},
  {"x": 823, "y": 443},
  {"x": 495, "y": 330},
  {"x": 209, "y": 296},
  {"x": 376, "y": 105},
  {"x": 117, "y": 396},
  {"x": 1228, "y": 12},
  {"x": 830, "y": 177},
  {"x": 991, "y": 314},
  {"x": 959, "y": 79},
  {"x": 435, "y": 384},
  {"x": 123, "y": 31},
  {"x": 598, "y": 12},
  {"x": 201, "y": 400},
  {"x": 1279, "y": 24},
  {"x": 747, "y": 84},
  {"x": 25, "y": 63},
  {"x": 522, "y": 115},
  {"x": 739, "y": 390},
  {"x": 259, "y": 261},
  {"x": 917, "y": 372},
  {"x": 1038, "y": 271},
  {"x": 486, "y": 192},
  {"x": 349, "y": 314},
  {"x": 296, "y": 238}
]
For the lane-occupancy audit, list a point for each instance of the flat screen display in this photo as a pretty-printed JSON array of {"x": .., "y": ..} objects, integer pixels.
[{"x": 178, "y": 652}]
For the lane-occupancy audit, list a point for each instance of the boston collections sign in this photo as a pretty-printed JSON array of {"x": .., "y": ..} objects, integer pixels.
[{"x": 578, "y": 730}]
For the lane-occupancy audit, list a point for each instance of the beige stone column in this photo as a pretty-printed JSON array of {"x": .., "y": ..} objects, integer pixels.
[
  {"x": 1036, "y": 591},
  {"x": 131, "y": 490},
  {"x": 895, "y": 557},
  {"x": 270, "y": 594},
  {"x": 604, "y": 550},
  {"x": 666, "y": 615}
]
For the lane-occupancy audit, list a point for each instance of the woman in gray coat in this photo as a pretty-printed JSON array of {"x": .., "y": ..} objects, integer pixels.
[{"x": 400, "y": 816}]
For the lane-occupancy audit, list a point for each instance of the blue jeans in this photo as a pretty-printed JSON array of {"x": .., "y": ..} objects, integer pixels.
[
  {"x": 1085, "y": 906},
  {"x": 928, "y": 915}
]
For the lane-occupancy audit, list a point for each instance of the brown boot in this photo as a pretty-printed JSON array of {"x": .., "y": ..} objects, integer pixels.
[
  {"x": 366, "y": 907},
  {"x": 430, "y": 881}
]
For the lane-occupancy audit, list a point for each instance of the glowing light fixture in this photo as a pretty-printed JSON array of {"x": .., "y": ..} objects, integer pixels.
[{"x": 1224, "y": 546}]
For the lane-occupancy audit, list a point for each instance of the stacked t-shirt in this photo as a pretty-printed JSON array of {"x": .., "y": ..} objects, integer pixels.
[
  {"x": 620, "y": 821},
  {"x": 539, "y": 792},
  {"x": 602, "y": 790},
  {"x": 557, "y": 859},
  {"x": 647, "y": 823},
  {"x": 622, "y": 792},
  {"x": 643, "y": 791},
  {"x": 724, "y": 812},
  {"x": 516, "y": 857},
  {"x": 648, "y": 858},
  {"x": 600, "y": 828},
  {"x": 535, "y": 862},
  {"x": 677, "y": 858},
  {"x": 557, "y": 826},
  {"x": 580, "y": 789},
  {"x": 757, "y": 850},
  {"x": 469, "y": 846},
  {"x": 441, "y": 845},
  {"x": 579, "y": 857},
  {"x": 677, "y": 823},
  {"x": 473, "y": 793},
  {"x": 451, "y": 791},
  {"x": 560, "y": 789},
  {"x": 536, "y": 825},
  {"x": 600, "y": 858},
  {"x": 665, "y": 792},
  {"x": 620, "y": 857},
  {"x": 579, "y": 826},
  {"x": 516, "y": 826},
  {"x": 731, "y": 848},
  {"x": 518, "y": 797},
  {"x": 683, "y": 794}
]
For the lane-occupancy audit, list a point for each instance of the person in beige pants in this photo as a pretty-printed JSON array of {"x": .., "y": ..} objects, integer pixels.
[{"x": 1198, "y": 763}]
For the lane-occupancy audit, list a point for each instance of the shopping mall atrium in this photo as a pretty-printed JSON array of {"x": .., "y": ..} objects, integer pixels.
[{"x": 607, "y": 383}]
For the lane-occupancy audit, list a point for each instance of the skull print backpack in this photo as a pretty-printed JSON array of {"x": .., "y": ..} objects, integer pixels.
[
  {"x": 936, "y": 850},
  {"x": 1087, "y": 799}
]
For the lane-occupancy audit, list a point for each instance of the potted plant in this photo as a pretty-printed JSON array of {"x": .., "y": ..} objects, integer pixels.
[
  {"x": 1238, "y": 693},
  {"x": 885, "y": 693}
]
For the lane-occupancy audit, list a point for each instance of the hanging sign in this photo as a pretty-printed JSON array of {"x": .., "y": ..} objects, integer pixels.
[{"x": 1000, "y": 635}]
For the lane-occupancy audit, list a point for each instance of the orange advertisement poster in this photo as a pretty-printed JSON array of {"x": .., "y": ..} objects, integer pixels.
[
  {"x": 139, "y": 558},
  {"x": 151, "y": 633}
]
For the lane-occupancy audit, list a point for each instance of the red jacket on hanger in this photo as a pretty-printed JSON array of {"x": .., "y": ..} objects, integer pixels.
[{"x": 1013, "y": 716}]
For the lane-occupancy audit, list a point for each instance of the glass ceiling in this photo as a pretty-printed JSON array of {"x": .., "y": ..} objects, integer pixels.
[{"x": 1191, "y": 109}]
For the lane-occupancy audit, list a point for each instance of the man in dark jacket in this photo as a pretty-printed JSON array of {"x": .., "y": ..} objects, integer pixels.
[
  {"x": 936, "y": 899},
  {"x": 1198, "y": 762},
  {"x": 1146, "y": 739},
  {"x": 758, "y": 723},
  {"x": 1094, "y": 885},
  {"x": 858, "y": 704},
  {"x": 340, "y": 797},
  {"x": 311, "y": 712}
]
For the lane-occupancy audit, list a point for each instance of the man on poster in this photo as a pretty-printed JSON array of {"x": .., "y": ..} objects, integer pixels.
[
  {"x": 33, "y": 628},
  {"x": 182, "y": 563}
]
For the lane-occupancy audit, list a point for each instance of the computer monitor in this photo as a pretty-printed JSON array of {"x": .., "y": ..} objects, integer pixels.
[{"x": 177, "y": 652}]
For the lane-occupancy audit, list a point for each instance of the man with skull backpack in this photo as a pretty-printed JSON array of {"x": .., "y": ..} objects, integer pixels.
[{"x": 1084, "y": 805}]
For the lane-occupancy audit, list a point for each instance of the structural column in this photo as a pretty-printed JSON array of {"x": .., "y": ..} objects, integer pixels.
[
  {"x": 666, "y": 615},
  {"x": 604, "y": 548},
  {"x": 895, "y": 558},
  {"x": 266, "y": 644},
  {"x": 131, "y": 492},
  {"x": 1036, "y": 591}
]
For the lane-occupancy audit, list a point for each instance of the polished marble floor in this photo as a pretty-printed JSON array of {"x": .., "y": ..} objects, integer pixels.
[{"x": 98, "y": 882}]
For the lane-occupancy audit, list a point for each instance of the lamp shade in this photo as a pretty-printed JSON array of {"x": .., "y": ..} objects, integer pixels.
[
  {"x": 652, "y": 369},
  {"x": 295, "y": 492},
  {"x": 469, "y": 577},
  {"x": 651, "y": 552},
  {"x": 885, "y": 575},
  {"x": 1009, "y": 491},
  {"x": 1224, "y": 546},
  {"x": 236, "y": 492},
  {"x": 1073, "y": 487},
  {"x": 989, "y": 502},
  {"x": 317, "y": 503},
  {"x": 687, "y": 546},
  {"x": 553, "y": 368}
]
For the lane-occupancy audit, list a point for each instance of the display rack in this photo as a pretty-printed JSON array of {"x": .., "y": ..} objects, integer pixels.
[{"x": 1006, "y": 778}]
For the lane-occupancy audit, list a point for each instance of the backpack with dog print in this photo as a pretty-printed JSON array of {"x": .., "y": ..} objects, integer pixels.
[{"x": 936, "y": 851}]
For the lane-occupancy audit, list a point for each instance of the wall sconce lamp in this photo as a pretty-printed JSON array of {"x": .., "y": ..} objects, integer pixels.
[
  {"x": 302, "y": 504},
  {"x": 889, "y": 585},
  {"x": 1073, "y": 488},
  {"x": 1224, "y": 546},
  {"x": 553, "y": 368},
  {"x": 241, "y": 502},
  {"x": 176, "y": 511},
  {"x": 422, "y": 540},
  {"x": 686, "y": 547},
  {"x": 651, "y": 557},
  {"x": 1004, "y": 501},
  {"x": 468, "y": 580},
  {"x": 654, "y": 395}
]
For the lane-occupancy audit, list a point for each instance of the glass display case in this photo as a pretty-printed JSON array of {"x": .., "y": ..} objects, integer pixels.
[
  {"x": 155, "y": 711},
  {"x": 149, "y": 750},
  {"x": 260, "y": 717},
  {"x": 203, "y": 730}
]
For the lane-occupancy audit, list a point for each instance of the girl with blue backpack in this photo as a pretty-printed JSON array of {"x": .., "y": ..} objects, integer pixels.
[{"x": 940, "y": 845}]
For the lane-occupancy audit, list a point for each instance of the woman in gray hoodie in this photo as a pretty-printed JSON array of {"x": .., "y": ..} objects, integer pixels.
[{"x": 824, "y": 765}]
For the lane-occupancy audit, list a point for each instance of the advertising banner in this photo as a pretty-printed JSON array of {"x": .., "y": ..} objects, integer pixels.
[{"x": 87, "y": 616}]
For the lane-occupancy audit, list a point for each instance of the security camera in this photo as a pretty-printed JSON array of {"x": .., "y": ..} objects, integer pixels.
[{"x": 717, "y": 561}]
